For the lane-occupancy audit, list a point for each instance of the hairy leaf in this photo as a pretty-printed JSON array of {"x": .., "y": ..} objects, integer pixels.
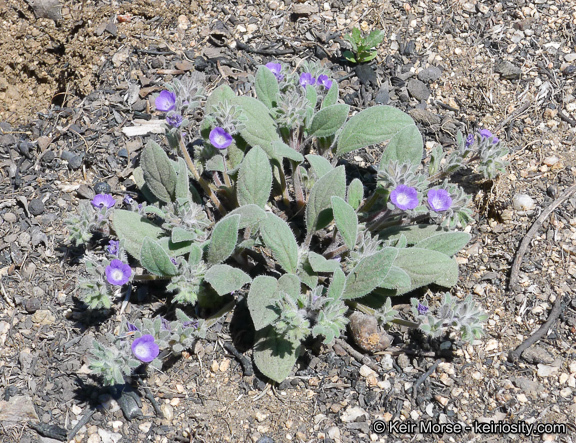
[
  {"x": 328, "y": 120},
  {"x": 263, "y": 292},
  {"x": 279, "y": 238},
  {"x": 320, "y": 264},
  {"x": 425, "y": 266},
  {"x": 221, "y": 93},
  {"x": 155, "y": 259},
  {"x": 259, "y": 127},
  {"x": 266, "y": 87},
  {"x": 319, "y": 164},
  {"x": 346, "y": 221},
  {"x": 413, "y": 233},
  {"x": 331, "y": 96},
  {"x": 224, "y": 238},
  {"x": 318, "y": 209},
  {"x": 448, "y": 243},
  {"x": 371, "y": 126},
  {"x": 250, "y": 215},
  {"x": 158, "y": 171},
  {"x": 133, "y": 229},
  {"x": 355, "y": 193},
  {"x": 179, "y": 235},
  {"x": 225, "y": 279},
  {"x": 405, "y": 146},
  {"x": 337, "y": 285},
  {"x": 285, "y": 151},
  {"x": 275, "y": 355},
  {"x": 369, "y": 273},
  {"x": 255, "y": 177},
  {"x": 290, "y": 284},
  {"x": 397, "y": 279}
]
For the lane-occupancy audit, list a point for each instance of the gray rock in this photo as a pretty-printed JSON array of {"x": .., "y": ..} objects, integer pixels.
[
  {"x": 383, "y": 96},
  {"x": 36, "y": 207},
  {"x": 425, "y": 117},
  {"x": 10, "y": 217},
  {"x": 430, "y": 74},
  {"x": 508, "y": 70},
  {"x": 528, "y": 386},
  {"x": 536, "y": 354},
  {"x": 403, "y": 361},
  {"x": 75, "y": 162},
  {"x": 418, "y": 90}
]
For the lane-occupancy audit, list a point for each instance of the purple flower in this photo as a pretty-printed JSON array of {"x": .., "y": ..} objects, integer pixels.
[
  {"x": 324, "y": 81},
  {"x": 166, "y": 101},
  {"x": 131, "y": 327},
  {"x": 118, "y": 273},
  {"x": 439, "y": 200},
  {"x": 276, "y": 68},
  {"x": 422, "y": 309},
  {"x": 128, "y": 200},
  {"x": 174, "y": 120},
  {"x": 219, "y": 138},
  {"x": 485, "y": 133},
  {"x": 145, "y": 348},
  {"x": 404, "y": 197},
  {"x": 469, "y": 140},
  {"x": 165, "y": 324},
  {"x": 191, "y": 324},
  {"x": 103, "y": 200},
  {"x": 112, "y": 247},
  {"x": 173, "y": 260},
  {"x": 307, "y": 79}
]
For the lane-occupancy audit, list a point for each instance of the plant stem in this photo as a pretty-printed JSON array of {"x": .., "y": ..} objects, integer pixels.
[
  {"x": 205, "y": 186},
  {"x": 300, "y": 202},
  {"x": 285, "y": 194}
]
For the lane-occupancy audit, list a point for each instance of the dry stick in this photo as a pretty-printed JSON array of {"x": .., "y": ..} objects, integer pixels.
[
  {"x": 514, "y": 355},
  {"x": 513, "y": 285},
  {"x": 246, "y": 364},
  {"x": 364, "y": 359},
  {"x": 423, "y": 377},
  {"x": 83, "y": 421}
]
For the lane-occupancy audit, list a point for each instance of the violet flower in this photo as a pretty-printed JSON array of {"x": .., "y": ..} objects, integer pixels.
[
  {"x": 324, "y": 81},
  {"x": 118, "y": 273},
  {"x": 174, "y": 120},
  {"x": 166, "y": 101},
  {"x": 469, "y": 140},
  {"x": 439, "y": 200},
  {"x": 219, "y": 138},
  {"x": 112, "y": 247},
  {"x": 131, "y": 327},
  {"x": 485, "y": 133},
  {"x": 307, "y": 79},
  {"x": 103, "y": 200},
  {"x": 128, "y": 200},
  {"x": 422, "y": 309},
  {"x": 404, "y": 197},
  {"x": 276, "y": 68},
  {"x": 145, "y": 348}
]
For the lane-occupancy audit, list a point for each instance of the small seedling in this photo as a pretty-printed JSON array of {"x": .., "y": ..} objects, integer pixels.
[{"x": 363, "y": 48}]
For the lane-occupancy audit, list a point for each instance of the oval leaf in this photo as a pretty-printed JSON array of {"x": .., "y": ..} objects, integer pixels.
[
  {"x": 318, "y": 209},
  {"x": 328, "y": 120},
  {"x": 346, "y": 221},
  {"x": 280, "y": 239},
  {"x": 158, "y": 171},
  {"x": 263, "y": 291},
  {"x": 254, "y": 178},
  {"x": 404, "y": 147},
  {"x": 355, "y": 193},
  {"x": 133, "y": 229},
  {"x": 275, "y": 355},
  {"x": 225, "y": 279},
  {"x": 155, "y": 259},
  {"x": 448, "y": 243},
  {"x": 369, "y": 273},
  {"x": 224, "y": 238},
  {"x": 266, "y": 87}
]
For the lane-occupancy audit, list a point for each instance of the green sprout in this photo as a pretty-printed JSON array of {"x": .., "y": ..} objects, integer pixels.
[{"x": 363, "y": 48}]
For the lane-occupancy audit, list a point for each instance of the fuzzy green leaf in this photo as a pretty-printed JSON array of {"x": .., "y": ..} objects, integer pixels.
[
  {"x": 318, "y": 209},
  {"x": 133, "y": 229},
  {"x": 413, "y": 233},
  {"x": 182, "y": 183},
  {"x": 331, "y": 96},
  {"x": 371, "y": 126},
  {"x": 355, "y": 193},
  {"x": 319, "y": 164},
  {"x": 321, "y": 264},
  {"x": 405, "y": 146},
  {"x": 261, "y": 296},
  {"x": 346, "y": 221},
  {"x": 328, "y": 120},
  {"x": 179, "y": 235},
  {"x": 397, "y": 279},
  {"x": 312, "y": 96},
  {"x": 250, "y": 215},
  {"x": 195, "y": 256},
  {"x": 225, "y": 279},
  {"x": 155, "y": 259},
  {"x": 448, "y": 243},
  {"x": 215, "y": 163},
  {"x": 279, "y": 238},
  {"x": 369, "y": 273},
  {"x": 254, "y": 178},
  {"x": 337, "y": 284},
  {"x": 266, "y": 87},
  {"x": 285, "y": 151},
  {"x": 290, "y": 284},
  {"x": 259, "y": 127},
  {"x": 224, "y": 239},
  {"x": 221, "y": 93},
  {"x": 275, "y": 355},
  {"x": 425, "y": 267},
  {"x": 307, "y": 275},
  {"x": 158, "y": 171}
]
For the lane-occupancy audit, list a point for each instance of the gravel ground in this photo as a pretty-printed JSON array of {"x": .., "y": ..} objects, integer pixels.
[{"x": 70, "y": 88}]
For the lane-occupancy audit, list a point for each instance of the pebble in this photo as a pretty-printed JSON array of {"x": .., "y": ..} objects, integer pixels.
[
  {"x": 24, "y": 239},
  {"x": 102, "y": 188},
  {"x": 352, "y": 413},
  {"x": 32, "y": 305},
  {"x": 508, "y": 70},
  {"x": 10, "y": 217},
  {"x": 43, "y": 317},
  {"x": 36, "y": 207},
  {"x": 430, "y": 74},
  {"x": 418, "y": 89},
  {"x": 168, "y": 411},
  {"x": 546, "y": 370},
  {"x": 523, "y": 202},
  {"x": 365, "y": 371}
]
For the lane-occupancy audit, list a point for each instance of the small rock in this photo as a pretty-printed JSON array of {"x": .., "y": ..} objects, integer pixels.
[
  {"x": 48, "y": 157},
  {"x": 10, "y": 217},
  {"x": 260, "y": 416},
  {"x": 224, "y": 365},
  {"x": 430, "y": 74},
  {"x": 43, "y": 317},
  {"x": 304, "y": 9},
  {"x": 383, "y": 96},
  {"x": 508, "y": 70},
  {"x": 102, "y": 188},
  {"x": 32, "y": 305},
  {"x": 418, "y": 89},
  {"x": 551, "y": 161},
  {"x": 365, "y": 371},
  {"x": 367, "y": 334},
  {"x": 23, "y": 239},
  {"x": 403, "y": 361},
  {"x": 36, "y": 207},
  {"x": 145, "y": 427},
  {"x": 523, "y": 202},
  {"x": 537, "y": 354},
  {"x": 366, "y": 74},
  {"x": 75, "y": 162},
  {"x": 546, "y": 370},
  {"x": 352, "y": 413},
  {"x": 168, "y": 411},
  {"x": 528, "y": 386},
  {"x": 84, "y": 191}
]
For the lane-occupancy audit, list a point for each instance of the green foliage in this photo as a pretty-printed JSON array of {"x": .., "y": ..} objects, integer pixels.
[{"x": 363, "y": 48}]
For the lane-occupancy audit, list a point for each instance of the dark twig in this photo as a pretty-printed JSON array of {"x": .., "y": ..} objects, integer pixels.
[
  {"x": 245, "y": 47},
  {"x": 364, "y": 359},
  {"x": 148, "y": 394},
  {"x": 566, "y": 118},
  {"x": 514, "y": 355},
  {"x": 83, "y": 421},
  {"x": 423, "y": 377},
  {"x": 513, "y": 285},
  {"x": 246, "y": 364}
]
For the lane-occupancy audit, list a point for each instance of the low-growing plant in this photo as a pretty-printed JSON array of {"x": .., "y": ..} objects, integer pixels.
[
  {"x": 363, "y": 47},
  {"x": 263, "y": 208}
]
